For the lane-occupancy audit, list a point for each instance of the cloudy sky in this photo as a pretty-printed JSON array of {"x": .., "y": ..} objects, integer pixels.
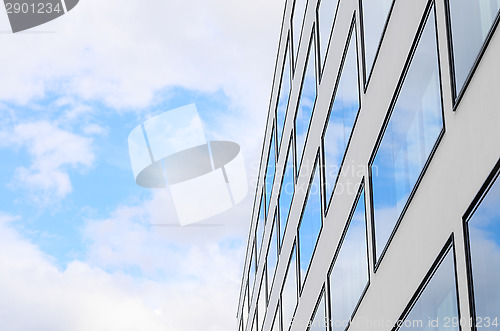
[{"x": 82, "y": 247}]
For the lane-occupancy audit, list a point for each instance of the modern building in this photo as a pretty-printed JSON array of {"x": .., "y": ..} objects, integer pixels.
[{"x": 378, "y": 199}]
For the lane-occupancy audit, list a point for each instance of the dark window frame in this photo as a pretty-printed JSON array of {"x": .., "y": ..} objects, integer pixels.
[
  {"x": 322, "y": 294},
  {"x": 431, "y": 6},
  {"x": 271, "y": 141},
  {"x": 291, "y": 149},
  {"x": 274, "y": 227},
  {"x": 352, "y": 31},
  {"x": 295, "y": 56},
  {"x": 476, "y": 202},
  {"x": 318, "y": 44},
  {"x": 294, "y": 250},
  {"x": 287, "y": 52},
  {"x": 456, "y": 96}
]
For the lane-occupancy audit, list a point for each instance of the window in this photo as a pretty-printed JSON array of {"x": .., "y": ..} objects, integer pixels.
[
  {"x": 306, "y": 102},
  {"x": 319, "y": 321},
  {"x": 299, "y": 10},
  {"x": 272, "y": 255},
  {"x": 289, "y": 293},
  {"x": 349, "y": 275},
  {"x": 245, "y": 308},
  {"x": 435, "y": 306},
  {"x": 260, "y": 225},
  {"x": 310, "y": 224},
  {"x": 375, "y": 15},
  {"x": 412, "y": 132},
  {"x": 470, "y": 22},
  {"x": 327, "y": 10},
  {"x": 284, "y": 94},
  {"x": 342, "y": 116},
  {"x": 270, "y": 170},
  {"x": 261, "y": 303},
  {"x": 483, "y": 235},
  {"x": 286, "y": 193},
  {"x": 276, "y": 322},
  {"x": 251, "y": 272}
]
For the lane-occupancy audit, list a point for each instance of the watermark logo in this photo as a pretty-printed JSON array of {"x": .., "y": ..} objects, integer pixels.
[{"x": 26, "y": 14}]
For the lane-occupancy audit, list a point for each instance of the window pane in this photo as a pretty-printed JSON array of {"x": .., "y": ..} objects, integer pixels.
[
  {"x": 484, "y": 236},
  {"x": 251, "y": 272},
  {"x": 436, "y": 308},
  {"x": 306, "y": 103},
  {"x": 411, "y": 134},
  {"x": 310, "y": 225},
  {"x": 289, "y": 294},
  {"x": 470, "y": 23},
  {"x": 284, "y": 95},
  {"x": 245, "y": 308},
  {"x": 297, "y": 18},
  {"x": 276, "y": 322},
  {"x": 374, "y": 17},
  {"x": 319, "y": 322},
  {"x": 272, "y": 255},
  {"x": 260, "y": 226},
  {"x": 286, "y": 194},
  {"x": 341, "y": 118},
  {"x": 270, "y": 170},
  {"x": 326, "y": 13},
  {"x": 349, "y": 275},
  {"x": 261, "y": 304}
]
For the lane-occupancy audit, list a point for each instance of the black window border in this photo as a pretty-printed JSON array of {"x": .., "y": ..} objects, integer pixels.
[
  {"x": 457, "y": 96},
  {"x": 352, "y": 31},
  {"x": 291, "y": 149},
  {"x": 299, "y": 158},
  {"x": 295, "y": 52},
  {"x": 361, "y": 189},
  {"x": 321, "y": 66},
  {"x": 476, "y": 202},
  {"x": 431, "y": 6},
  {"x": 287, "y": 52},
  {"x": 271, "y": 141},
  {"x": 271, "y": 278},
  {"x": 367, "y": 76},
  {"x": 311, "y": 179},
  {"x": 288, "y": 269},
  {"x": 322, "y": 294},
  {"x": 262, "y": 291},
  {"x": 449, "y": 246}
]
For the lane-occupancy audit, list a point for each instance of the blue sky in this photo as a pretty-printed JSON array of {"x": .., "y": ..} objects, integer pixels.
[{"x": 78, "y": 243}]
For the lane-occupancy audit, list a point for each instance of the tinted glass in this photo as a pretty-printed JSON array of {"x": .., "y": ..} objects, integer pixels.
[
  {"x": 286, "y": 194},
  {"x": 297, "y": 18},
  {"x": 271, "y": 168},
  {"x": 306, "y": 103},
  {"x": 272, "y": 254},
  {"x": 310, "y": 225},
  {"x": 261, "y": 304},
  {"x": 318, "y": 322},
  {"x": 284, "y": 95},
  {"x": 470, "y": 23},
  {"x": 326, "y": 17},
  {"x": 411, "y": 134},
  {"x": 484, "y": 236},
  {"x": 341, "y": 119},
  {"x": 349, "y": 275},
  {"x": 375, "y": 14},
  {"x": 260, "y": 226},
  {"x": 244, "y": 315},
  {"x": 436, "y": 308},
  {"x": 251, "y": 272},
  {"x": 289, "y": 294}
]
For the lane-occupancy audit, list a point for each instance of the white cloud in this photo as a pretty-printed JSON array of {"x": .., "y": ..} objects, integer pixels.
[{"x": 52, "y": 151}]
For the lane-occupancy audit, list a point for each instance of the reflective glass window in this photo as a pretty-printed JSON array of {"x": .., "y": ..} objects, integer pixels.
[
  {"x": 411, "y": 134},
  {"x": 306, "y": 102},
  {"x": 272, "y": 254},
  {"x": 251, "y": 272},
  {"x": 375, "y": 14},
  {"x": 341, "y": 118},
  {"x": 470, "y": 23},
  {"x": 244, "y": 315},
  {"x": 326, "y": 16},
  {"x": 286, "y": 194},
  {"x": 310, "y": 225},
  {"x": 270, "y": 170},
  {"x": 437, "y": 307},
  {"x": 284, "y": 94},
  {"x": 289, "y": 293},
  {"x": 299, "y": 10},
  {"x": 349, "y": 274},
  {"x": 484, "y": 244},
  {"x": 260, "y": 226},
  {"x": 276, "y": 322},
  {"x": 261, "y": 303},
  {"x": 319, "y": 321}
]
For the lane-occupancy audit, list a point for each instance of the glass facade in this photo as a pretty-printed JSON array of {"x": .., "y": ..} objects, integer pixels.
[
  {"x": 319, "y": 321},
  {"x": 270, "y": 170},
  {"x": 326, "y": 18},
  {"x": 411, "y": 134},
  {"x": 272, "y": 255},
  {"x": 261, "y": 224},
  {"x": 349, "y": 275},
  {"x": 286, "y": 193},
  {"x": 306, "y": 102},
  {"x": 261, "y": 304},
  {"x": 251, "y": 272},
  {"x": 245, "y": 307},
  {"x": 470, "y": 23},
  {"x": 310, "y": 225},
  {"x": 284, "y": 94},
  {"x": 342, "y": 116},
  {"x": 375, "y": 14},
  {"x": 289, "y": 293},
  {"x": 437, "y": 307},
  {"x": 484, "y": 245},
  {"x": 299, "y": 9}
]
